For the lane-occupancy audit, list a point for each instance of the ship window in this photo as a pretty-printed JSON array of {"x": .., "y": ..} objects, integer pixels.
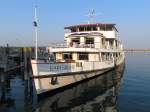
[
  {"x": 67, "y": 56},
  {"x": 81, "y": 28},
  {"x": 103, "y": 41},
  {"x": 102, "y": 28},
  {"x": 52, "y": 57},
  {"x": 83, "y": 56},
  {"x": 88, "y": 28},
  {"x": 73, "y": 30},
  {"x": 89, "y": 41},
  {"x": 76, "y": 40},
  {"x": 94, "y": 28},
  {"x": 109, "y": 28}
]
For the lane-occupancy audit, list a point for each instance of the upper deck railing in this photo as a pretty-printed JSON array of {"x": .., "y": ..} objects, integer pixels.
[
  {"x": 59, "y": 45},
  {"x": 83, "y": 45}
]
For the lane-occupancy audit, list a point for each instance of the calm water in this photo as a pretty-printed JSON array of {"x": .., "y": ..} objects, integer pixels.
[
  {"x": 121, "y": 90},
  {"x": 134, "y": 95}
]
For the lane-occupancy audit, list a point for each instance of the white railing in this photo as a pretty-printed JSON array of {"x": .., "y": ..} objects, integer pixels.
[
  {"x": 68, "y": 45},
  {"x": 55, "y": 68},
  {"x": 83, "y": 45},
  {"x": 59, "y": 45}
]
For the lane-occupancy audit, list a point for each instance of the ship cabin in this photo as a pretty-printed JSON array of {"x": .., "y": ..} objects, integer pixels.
[{"x": 88, "y": 42}]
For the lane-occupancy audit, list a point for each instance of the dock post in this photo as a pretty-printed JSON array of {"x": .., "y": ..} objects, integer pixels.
[
  {"x": 7, "y": 54},
  {"x": 25, "y": 58},
  {"x": 3, "y": 91},
  {"x": 27, "y": 73}
]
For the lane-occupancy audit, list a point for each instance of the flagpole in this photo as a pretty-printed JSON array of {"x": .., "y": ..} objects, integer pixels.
[{"x": 36, "y": 32}]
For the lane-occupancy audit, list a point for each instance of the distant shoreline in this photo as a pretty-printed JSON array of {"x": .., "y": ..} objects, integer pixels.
[
  {"x": 126, "y": 49},
  {"x": 137, "y": 50}
]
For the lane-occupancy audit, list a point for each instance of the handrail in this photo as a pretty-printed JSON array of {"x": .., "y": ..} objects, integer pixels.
[{"x": 83, "y": 45}]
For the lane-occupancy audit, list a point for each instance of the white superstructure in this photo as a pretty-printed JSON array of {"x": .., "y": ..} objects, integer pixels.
[{"x": 88, "y": 50}]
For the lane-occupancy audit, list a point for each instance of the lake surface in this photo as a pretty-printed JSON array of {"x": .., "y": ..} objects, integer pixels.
[
  {"x": 134, "y": 95},
  {"x": 125, "y": 89}
]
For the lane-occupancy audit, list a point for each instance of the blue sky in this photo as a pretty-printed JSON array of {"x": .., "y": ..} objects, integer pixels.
[{"x": 16, "y": 16}]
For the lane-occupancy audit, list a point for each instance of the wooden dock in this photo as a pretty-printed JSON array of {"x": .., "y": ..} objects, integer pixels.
[{"x": 19, "y": 57}]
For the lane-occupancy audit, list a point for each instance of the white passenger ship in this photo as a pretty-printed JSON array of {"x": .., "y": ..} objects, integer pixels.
[{"x": 89, "y": 50}]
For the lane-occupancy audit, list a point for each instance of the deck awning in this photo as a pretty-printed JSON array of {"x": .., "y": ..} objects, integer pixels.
[{"x": 87, "y": 25}]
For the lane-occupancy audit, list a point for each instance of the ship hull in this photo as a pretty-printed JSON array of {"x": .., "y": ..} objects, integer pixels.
[
  {"x": 102, "y": 87},
  {"x": 45, "y": 84},
  {"x": 49, "y": 81}
]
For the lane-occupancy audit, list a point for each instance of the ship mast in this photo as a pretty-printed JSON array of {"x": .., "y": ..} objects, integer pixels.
[
  {"x": 91, "y": 15},
  {"x": 36, "y": 31}
]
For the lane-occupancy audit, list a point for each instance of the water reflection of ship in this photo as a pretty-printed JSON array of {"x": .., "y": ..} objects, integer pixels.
[{"x": 98, "y": 94}]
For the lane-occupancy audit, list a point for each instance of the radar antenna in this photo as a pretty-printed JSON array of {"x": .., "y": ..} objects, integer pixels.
[{"x": 91, "y": 15}]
